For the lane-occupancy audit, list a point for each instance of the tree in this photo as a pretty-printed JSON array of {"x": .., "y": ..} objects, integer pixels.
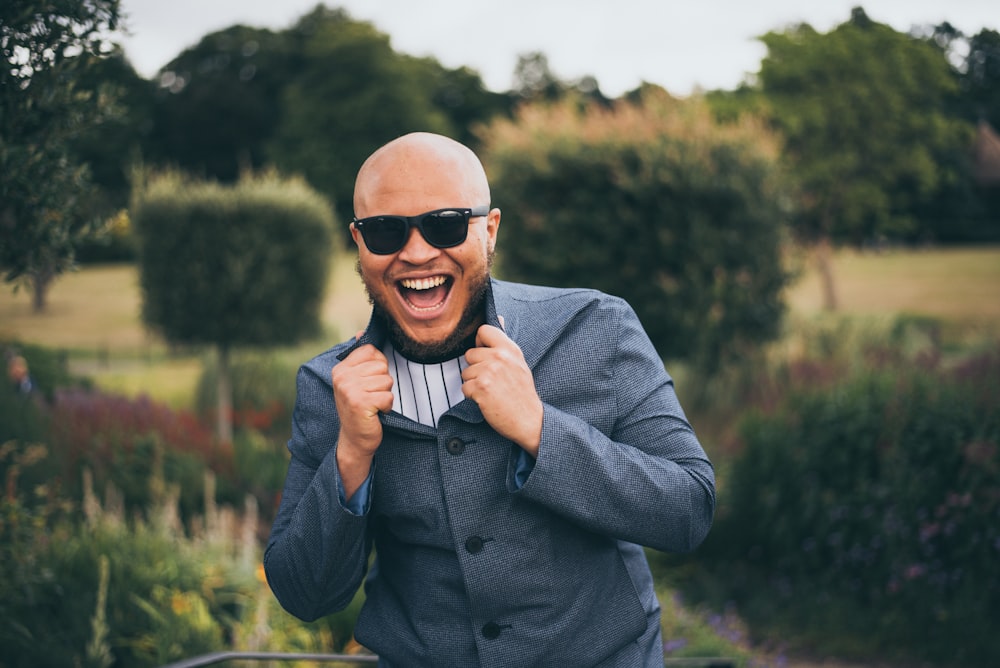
[
  {"x": 651, "y": 201},
  {"x": 44, "y": 49},
  {"x": 980, "y": 78},
  {"x": 351, "y": 94},
  {"x": 863, "y": 109},
  {"x": 462, "y": 97},
  {"x": 232, "y": 266},
  {"x": 314, "y": 99},
  {"x": 966, "y": 209},
  {"x": 217, "y": 105},
  {"x": 111, "y": 149},
  {"x": 534, "y": 81}
]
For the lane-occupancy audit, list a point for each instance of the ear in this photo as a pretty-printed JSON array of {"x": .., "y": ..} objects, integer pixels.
[
  {"x": 492, "y": 227},
  {"x": 355, "y": 235}
]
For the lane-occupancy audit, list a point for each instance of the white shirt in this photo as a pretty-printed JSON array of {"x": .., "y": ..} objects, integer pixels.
[{"x": 424, "y": 392}]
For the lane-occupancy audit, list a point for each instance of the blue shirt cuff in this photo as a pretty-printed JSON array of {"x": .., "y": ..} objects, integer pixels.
[
  {"x": 361, "y": 501},
  {"x": 523, "y": 467}
]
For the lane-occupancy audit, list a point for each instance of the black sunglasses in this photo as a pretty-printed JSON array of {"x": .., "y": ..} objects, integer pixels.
[{"x": 442, "y": 228}]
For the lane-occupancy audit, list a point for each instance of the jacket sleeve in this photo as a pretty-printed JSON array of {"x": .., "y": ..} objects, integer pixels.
[
  {"x": 317, "y": 553},
  {"x": 645, "y": 480}
]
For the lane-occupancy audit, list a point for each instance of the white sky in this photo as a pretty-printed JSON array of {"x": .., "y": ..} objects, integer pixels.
[{"x": 680, "y": 44}]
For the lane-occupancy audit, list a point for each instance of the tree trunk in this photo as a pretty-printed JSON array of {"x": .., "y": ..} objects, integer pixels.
[
  {"x": 824, "y": 264},
  {"x": 224, "y": 398},
  {"x": 41, "y": 281}
]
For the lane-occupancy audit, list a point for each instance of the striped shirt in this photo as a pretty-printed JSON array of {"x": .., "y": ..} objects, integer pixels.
[{"x": 424, "y": 392}]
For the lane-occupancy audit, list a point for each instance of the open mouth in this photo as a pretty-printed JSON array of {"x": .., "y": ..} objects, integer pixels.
[{"x": 425, "y": 294}]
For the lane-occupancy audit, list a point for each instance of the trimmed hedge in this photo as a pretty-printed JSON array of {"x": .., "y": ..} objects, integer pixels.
[
  {"x": 241, "y": 265},
  {"x": 653, "y": 201}
]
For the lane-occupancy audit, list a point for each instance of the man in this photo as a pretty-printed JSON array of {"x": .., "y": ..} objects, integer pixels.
[{"x": 506, "y": 448}]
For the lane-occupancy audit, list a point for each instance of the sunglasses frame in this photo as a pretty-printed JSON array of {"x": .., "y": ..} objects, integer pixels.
[{"x": 361, "y": 224}]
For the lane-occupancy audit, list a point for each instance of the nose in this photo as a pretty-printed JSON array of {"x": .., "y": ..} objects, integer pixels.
[{"x": 417, "y": 250}]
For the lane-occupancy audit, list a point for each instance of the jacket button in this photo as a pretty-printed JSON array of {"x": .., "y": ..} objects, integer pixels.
[
  {"x": 491, "y": 631},
  {"x": 474, "y": 544},
  {"x": 455, "y": 446}
]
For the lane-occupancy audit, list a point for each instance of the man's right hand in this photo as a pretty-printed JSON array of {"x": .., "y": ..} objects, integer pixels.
[{"x": 362, "y": 387}]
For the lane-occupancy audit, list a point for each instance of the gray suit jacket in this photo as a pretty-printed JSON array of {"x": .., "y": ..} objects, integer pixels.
[{"x": 472, "y": 569}]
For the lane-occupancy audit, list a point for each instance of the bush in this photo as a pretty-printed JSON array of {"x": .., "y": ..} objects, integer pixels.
[
  {"x": 125, "y": 441},
  {"x": 24, "y": 416},
  {"x": 261, "y": 464},
  {"x": 21, "y": 417},
  {"x": 90, "y": 588},
  {"x": 263, "y": 400},
  {"x": 868, "y": 513},
  {"x": 653, "y": 201},
  {"x": 255, "y": 259},
  {"x": 263, "y": 393},
  {"x": 103, "y": 590}
]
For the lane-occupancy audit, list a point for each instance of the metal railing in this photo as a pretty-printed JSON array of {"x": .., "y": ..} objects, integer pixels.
[{"x": 221, "y": 657}]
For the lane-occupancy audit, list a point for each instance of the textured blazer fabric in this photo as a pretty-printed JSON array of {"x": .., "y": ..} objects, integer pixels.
[{"x": 472, "y": 569}]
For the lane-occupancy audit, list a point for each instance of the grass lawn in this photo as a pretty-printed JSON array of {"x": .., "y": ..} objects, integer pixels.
[
  {"x": 959, "y": 284},
  {"x": 95, "y": 313}
]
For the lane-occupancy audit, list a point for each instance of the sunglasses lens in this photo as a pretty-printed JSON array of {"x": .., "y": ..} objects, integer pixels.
[
  {"x": 385, "y": 234},
  {"x": 446, "y": 228}
]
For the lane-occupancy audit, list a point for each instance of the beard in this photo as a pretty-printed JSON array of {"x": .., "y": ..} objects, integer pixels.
[{"x": 456, "y": 343}]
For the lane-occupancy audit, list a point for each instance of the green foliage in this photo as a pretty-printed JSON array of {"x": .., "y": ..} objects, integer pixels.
[
  {"x": 111, "y": 146},
  {"x": 232, "y": 266},
  {"x": 260, "y": 464},
  {"x": 314, "y": 99},
  {"x": 43, "y": 106},
  {"x": 48, "y": 368},
  {"x": 867, "y": 511},
  {"x": 352, "y": 94},
  {"x": 23, "y": 417},
  {"x": 263, "y": 399},
  {"x": 94, "y": 589},
  {"x": 218, "y": 103},
  {"x": 651, "y": 201},
  {"x": 690, "y": 634},
  {"x": 115, "y": 244},
  {"x": 864, "y": 110},
  {"x": 137, "y": 593},
  {"x": 263, "y": 392},
  {"x": 980, "y": 80},
  {"x": 126, "y": 443}
]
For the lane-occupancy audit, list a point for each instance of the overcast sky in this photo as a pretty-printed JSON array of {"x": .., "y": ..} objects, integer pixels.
[{"x": 680, "y": 44}]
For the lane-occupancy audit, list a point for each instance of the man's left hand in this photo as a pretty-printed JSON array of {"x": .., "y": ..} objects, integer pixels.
[{"x": 499, "y": 380}]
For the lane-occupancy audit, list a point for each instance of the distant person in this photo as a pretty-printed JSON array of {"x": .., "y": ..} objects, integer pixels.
[
  {"x": 18, "y": 374},
  {"x": 507, "y": 449}
]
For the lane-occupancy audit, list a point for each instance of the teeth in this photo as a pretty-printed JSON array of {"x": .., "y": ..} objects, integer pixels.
[{"x": 422, "y": 283}]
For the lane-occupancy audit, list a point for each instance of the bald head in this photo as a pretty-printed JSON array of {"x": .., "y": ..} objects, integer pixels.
[{"x": 430, "y": 170}]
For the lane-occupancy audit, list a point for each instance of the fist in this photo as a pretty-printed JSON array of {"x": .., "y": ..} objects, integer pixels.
[
  {"x": 362, "y": 388},
  {"x": 500, "y": 382}
]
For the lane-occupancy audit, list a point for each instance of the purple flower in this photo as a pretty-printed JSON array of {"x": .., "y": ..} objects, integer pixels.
[{"x": 675, "y": 645}]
